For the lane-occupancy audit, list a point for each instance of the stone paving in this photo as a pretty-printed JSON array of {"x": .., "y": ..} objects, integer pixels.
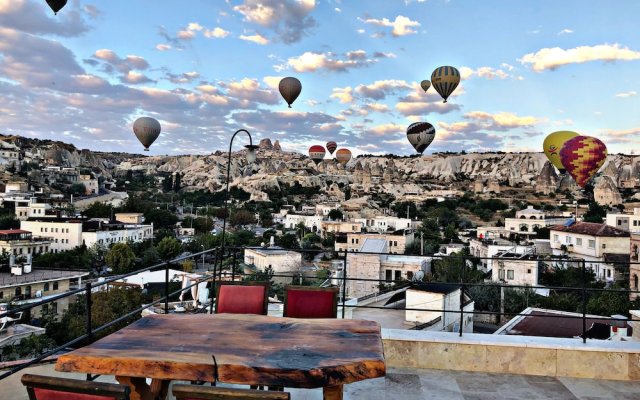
[{"x": 425, "y": 384}]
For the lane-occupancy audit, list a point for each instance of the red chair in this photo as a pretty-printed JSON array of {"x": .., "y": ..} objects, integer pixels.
[
  {"x": 310, "y": 302},
  {"x": 54, "y": 388},
  {"x": 247, "y": 297}
]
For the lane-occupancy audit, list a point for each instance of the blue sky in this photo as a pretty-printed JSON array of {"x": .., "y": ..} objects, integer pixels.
[{"x": 206, "y": 68}]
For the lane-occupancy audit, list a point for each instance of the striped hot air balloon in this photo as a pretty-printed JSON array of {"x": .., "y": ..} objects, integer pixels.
[
  {"x": 445, "y": 80},
  {"x": 332, "y": 146},
  {"x": 316, "y": 153},
  {"x": 420, "y": 135},
  {"x": 582, "y": 157},
  {"x": 343, "y": 156}
]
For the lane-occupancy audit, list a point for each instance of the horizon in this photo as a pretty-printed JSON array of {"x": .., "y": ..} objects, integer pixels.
[{"x": 360, "y": 73}]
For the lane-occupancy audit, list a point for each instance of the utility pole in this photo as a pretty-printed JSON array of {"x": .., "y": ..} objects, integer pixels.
[{"x": 421, "y": 243}]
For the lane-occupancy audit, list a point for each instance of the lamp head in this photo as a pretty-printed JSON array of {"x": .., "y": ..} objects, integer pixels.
[{"x": 251, "y": 153}]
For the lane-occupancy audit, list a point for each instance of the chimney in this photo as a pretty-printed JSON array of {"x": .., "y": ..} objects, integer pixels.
[{"x": 272, "y": 241}]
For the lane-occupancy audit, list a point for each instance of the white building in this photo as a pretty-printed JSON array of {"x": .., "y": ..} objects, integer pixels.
[
  {"x": 443, "y": 303},
  {"x": 383, "y": 223},
  {"x": 64, "y": 233},
  {"x": 529, "y": 220},
  {"x": 311, "y": 222},
  {"x": 514, "y": 269},
  {"x": 591, "y": 242},
  {"x": 34, "y": 209},
  {"x": 9, "y": 153},
  {"x": 18, "y": 242},
  {"x": 282, "y": 261},
  {"x": 488, "y": 249},
  {"x": 626, "y": 222},
  {"x": 396, "y": 242}
]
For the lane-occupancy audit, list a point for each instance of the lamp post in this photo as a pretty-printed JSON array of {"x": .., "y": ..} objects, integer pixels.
[{"x": 251, "y": 157}]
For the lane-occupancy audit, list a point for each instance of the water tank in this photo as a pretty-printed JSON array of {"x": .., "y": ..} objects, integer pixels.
[{"x": 26, "y": 268}]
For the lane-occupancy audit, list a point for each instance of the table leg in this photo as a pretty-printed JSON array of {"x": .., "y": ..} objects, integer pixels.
[
  {"x": 332, "y": 392},
  {"x": 141, "y": 391}
]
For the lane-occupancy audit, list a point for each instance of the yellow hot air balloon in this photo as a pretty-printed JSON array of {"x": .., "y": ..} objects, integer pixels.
[
  {"x": 445, "y": 80},
  {"x": 553, "y": 144}
]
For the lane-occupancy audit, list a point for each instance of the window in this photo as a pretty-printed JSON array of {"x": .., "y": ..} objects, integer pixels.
[
  {"x": 635, "y": 222},
  {"x": 556, "y": 238},
  {"x": 568, "y": 239},
  {"x": 395, "y": 243},
  {"x": 592, "y": 244},
  {"x": 2, "y": 293},
  {"x": 54, "y": 307},
  {"x": 388, "y": 275},
  {"x": 510, "y": 274},
  {"x": 528, "y": 270},
  {"x": 46, "y": 286},
  {"x": 501, "y": 274},
  {"x": 398, "y": 275},
  {"x": 46, "y": 229},
  {"x": 55, "y": 285},
  {"x": 608, "y": 273},
  {"x": 619, "y": 222},
  {"x": 604, "y": 245},
  {"x": 578, "y": 241}
]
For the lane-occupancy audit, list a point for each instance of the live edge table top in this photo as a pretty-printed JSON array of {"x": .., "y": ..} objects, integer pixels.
[{"x": 248, "y": 349}]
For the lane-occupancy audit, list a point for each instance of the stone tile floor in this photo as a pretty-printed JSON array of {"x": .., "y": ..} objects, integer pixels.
[{"x": 424, "y": 384}]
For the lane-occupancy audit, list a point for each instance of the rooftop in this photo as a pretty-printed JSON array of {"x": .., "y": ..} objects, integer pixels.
[
  {"x": 592, "y": 229},
  {"x": 38, "y": 275},
  {"x": 532, "y": 325},
  {"x": 372, "y": 245}
]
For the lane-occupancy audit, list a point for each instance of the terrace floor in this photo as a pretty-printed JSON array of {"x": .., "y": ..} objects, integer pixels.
[{"x": 423, "y": 384}]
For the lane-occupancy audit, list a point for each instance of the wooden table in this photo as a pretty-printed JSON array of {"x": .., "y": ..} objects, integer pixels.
[{"x": 249, "y": 349}]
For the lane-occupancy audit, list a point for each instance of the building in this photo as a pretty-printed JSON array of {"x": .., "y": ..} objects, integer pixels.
[
  {"x": 282, "y": 261},
  {"x": 516, "y": 269},
  {"x": 384, "y": 223},
  {"x": 626, "y": 222},
  {"x": 529, "y": 220},
  {"x": 437, "y": 299},
  {"x": 337, "y": 227},
  {"x": 36, "y": 208},
  {"x": 311, "y": 222},
  {"x": 488, "y": 249},
  {"x": 396, "y": 241},
  {"x": 90, "y": 184},
  {"x": 591, "y": 242},
  {"x": 69, "y": 233},
  {"x": 37, "y": 285},
  {"x": 634, "y": 266},
  {"x": 9, "y": 154},
  {"x": 130, "y": 218},
  {"x": 17, "y": 242}
]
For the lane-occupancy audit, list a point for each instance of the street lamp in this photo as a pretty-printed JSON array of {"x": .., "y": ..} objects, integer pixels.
[{"x": 251, "y": 157}]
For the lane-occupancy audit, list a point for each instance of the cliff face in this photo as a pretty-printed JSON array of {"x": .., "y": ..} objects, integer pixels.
[{"x": 275, "y": 167}]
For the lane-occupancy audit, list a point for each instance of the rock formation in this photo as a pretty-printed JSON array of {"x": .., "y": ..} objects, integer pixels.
[{"x": 605, "y": 192}]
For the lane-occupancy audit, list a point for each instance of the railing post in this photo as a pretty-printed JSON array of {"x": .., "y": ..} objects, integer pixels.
[
  {"x": 233, "y": 266},
  {"x": 462, "y": 268},
  {"x": 584, "y": 303},
  {"x": 166, "y": 288},
  {"x": 344, "y": 283},
  {"x": 213, "y": 287},
  {"x": 88, "y": 302}
]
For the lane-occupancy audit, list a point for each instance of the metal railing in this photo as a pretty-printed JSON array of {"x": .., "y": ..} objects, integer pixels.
[{"x": 227, "y": 265}]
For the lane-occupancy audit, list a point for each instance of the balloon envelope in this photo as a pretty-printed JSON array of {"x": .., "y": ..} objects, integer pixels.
[
  {"x": 147, "y": 130},
  {"x": 420, "y": 135},
  {"x": 290, "y": 89},
  {"x": 343, "y": 156},
  {"x": 445, "y": 80},
  {"x": 425, "y": 85},
  {"x": 582, "y": 157},
  {"x": 316, "y": 153},
  {"x": 332, "y": 146},
  {"x": 56, "y": 5},
  {"x": 553, "y": 144}
]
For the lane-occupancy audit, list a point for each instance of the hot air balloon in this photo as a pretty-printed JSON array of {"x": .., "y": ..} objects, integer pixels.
[
  {"x": 552, "y": 145},
  {"x": 147, "y": 130},
  {"x": 56, "y": 5},
  {"x": 332, "y": 146},
  {"x": 445, "y": 80},
  {"x": 582, "y": 157},
  {"x": 420, "y": 135},
  {"x": 425, "y": 85},
  {"x": 316, "y": 153},
  {"x": 290, "y": 89},
  {"x": 343, "y": 156}
]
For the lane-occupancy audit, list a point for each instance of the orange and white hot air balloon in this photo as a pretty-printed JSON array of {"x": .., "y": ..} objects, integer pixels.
[{"x": 343, "y": 156}]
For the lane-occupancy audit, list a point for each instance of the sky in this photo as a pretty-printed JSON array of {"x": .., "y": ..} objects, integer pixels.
[{"x": 205, "y": 68}]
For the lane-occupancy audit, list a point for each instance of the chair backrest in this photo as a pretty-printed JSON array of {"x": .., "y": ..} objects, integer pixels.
[
  {"x": 55, "y": 388},
  {"x": 246, "y": 297},
  {"x": 310, "y": 302},
  {"x": 193, "y": 392}
]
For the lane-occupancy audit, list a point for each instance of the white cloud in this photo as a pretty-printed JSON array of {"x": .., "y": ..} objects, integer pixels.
[
  {"x": 289, "y": 19},
  {"x": 257, "y": 38},
  {"x": 344, "y": 95},
  {"x": 163, "y": 47},
  {"x": 565, "y": 31},
  {"x": 401, "y": 26},
  {"x": 386, "y": 129},
  {"x": 552, "y": 58},
  {"x": 216, "y": 32},
  {"x": 338, "y": 10},
  {"x": 488, "y": 72},
  {"x": 630, "y": 93},
  {"x": 312, "y": 61}
]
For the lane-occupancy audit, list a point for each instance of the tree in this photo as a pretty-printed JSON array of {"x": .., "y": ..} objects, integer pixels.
[
  {"x": 98, "y": 210},
  {"x": 77, "y": 189},
  {"x": 169, "y": 248},
  {"x": 595, "y": 213},
  {"x": 335, "y": 215},
  {"x": 241, "y": 217},
  {"x": 120, "y": 258},
  {"x": 160, "y": 218}
]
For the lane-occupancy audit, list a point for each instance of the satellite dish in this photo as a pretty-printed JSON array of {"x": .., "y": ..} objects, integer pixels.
[{"x": 418, "y": 276}]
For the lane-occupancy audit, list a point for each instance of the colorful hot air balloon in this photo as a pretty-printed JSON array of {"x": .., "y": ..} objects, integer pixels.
[
  {"x": 316, "y": 153},
  {"x": 582, "y": 157},
  {"x": 343, "y": 156},
  {"x": 420, "y": 135},
  {"x": 425, "y": 85},
  {"x": 552, "y": 145},
  {"x": 445, "y": 80},
  {"x": 56, "y": 5},
  {"x": 290, "y": 89},
  {"x": 332, "y": 146},
  {"x": 147, "y": 130}
]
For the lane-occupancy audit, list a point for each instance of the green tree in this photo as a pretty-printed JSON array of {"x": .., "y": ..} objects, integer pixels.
[
  {"x": 241, "y": 217},
  {"x": 120, "y": 258},
  {"x": 77, "y": 189},
  {"x": 160, "y": 218},
  {"x": 169, "y": 248},
  {"x": 595, "y": 213},
  {"x": 98, "y": 210}
]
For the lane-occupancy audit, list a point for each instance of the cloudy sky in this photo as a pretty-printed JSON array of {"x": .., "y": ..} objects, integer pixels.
[{"x": 206, "y": 68}]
